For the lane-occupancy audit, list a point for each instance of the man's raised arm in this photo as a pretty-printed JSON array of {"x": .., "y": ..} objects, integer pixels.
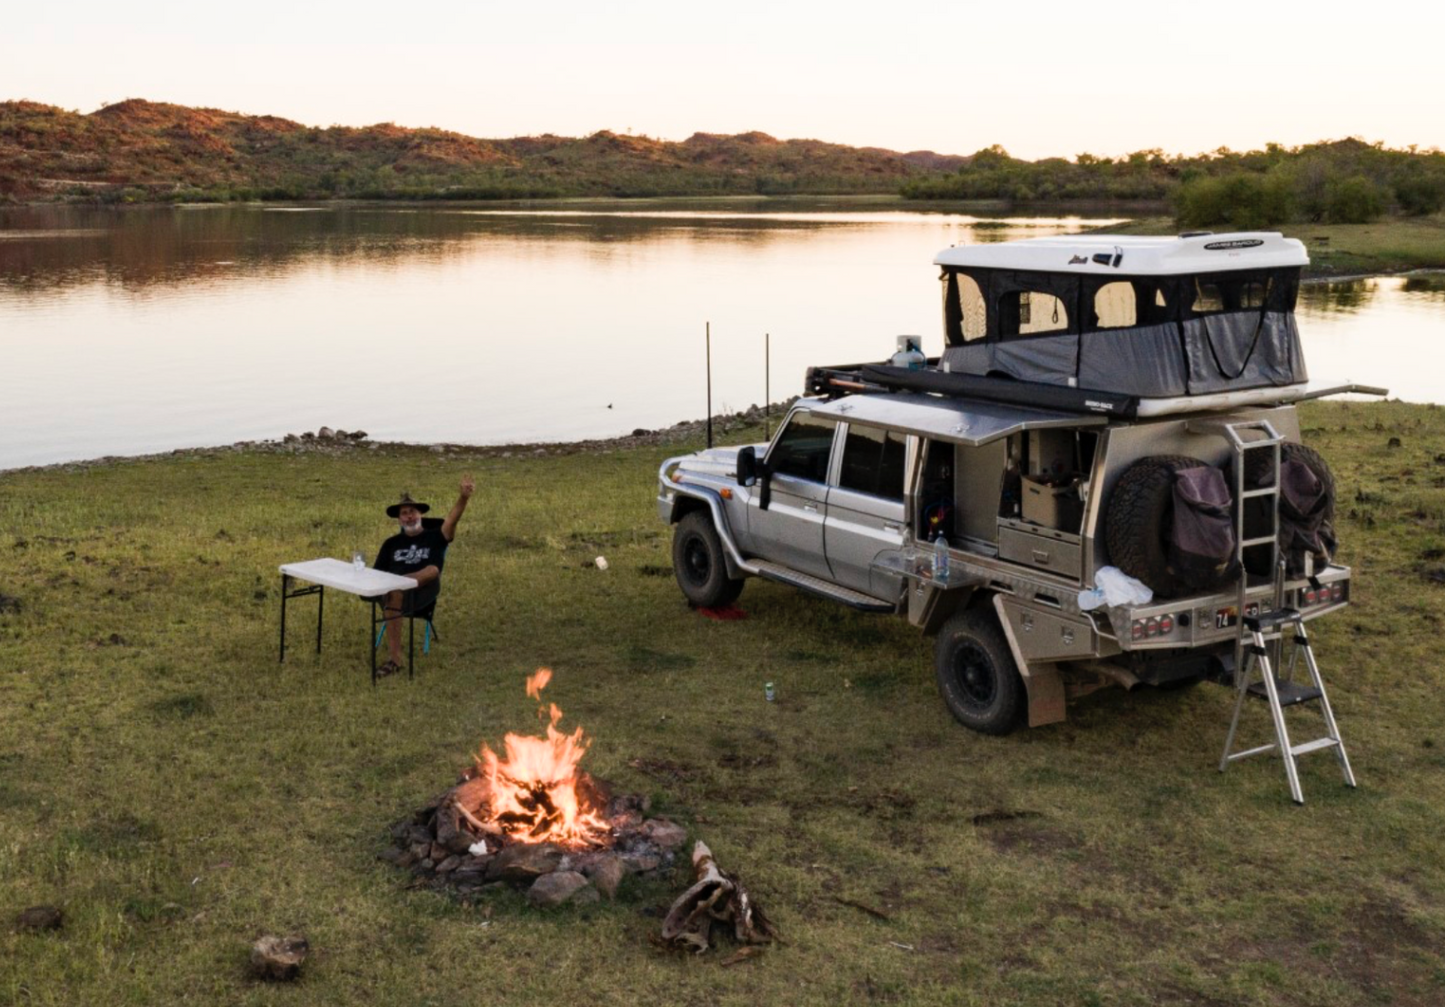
[{"x": 449, "y": 525}]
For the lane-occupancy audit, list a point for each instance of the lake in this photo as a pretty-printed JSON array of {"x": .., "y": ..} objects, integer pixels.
[{"x": 130, "y": 331}]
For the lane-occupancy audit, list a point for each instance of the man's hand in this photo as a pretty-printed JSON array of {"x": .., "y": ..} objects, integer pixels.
[
  {"x": 449, "y": 526},
  {"x": 469, "y": 486}
]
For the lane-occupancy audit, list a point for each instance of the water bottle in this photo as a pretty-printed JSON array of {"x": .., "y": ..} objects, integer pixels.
[
  {"x": 358, "y": 562},
  {"x": 940, "y": 559},
  {"x": 769, "y": 693}
]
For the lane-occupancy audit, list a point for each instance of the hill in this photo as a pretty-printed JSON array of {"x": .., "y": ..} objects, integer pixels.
[{"x": 137, "y": 149}]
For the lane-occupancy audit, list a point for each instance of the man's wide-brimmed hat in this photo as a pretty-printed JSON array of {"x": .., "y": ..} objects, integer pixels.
[{"x": 406, "y": 501}]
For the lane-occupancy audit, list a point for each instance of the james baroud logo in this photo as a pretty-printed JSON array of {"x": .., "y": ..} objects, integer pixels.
[{"x": 1222, "y": 246}]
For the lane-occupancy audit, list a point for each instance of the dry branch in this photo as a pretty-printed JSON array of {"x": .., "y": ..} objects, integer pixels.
[{"x": 716, "y": 897}]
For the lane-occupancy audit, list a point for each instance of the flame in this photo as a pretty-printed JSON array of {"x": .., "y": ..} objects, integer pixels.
[{"x": 534, "y": 796}]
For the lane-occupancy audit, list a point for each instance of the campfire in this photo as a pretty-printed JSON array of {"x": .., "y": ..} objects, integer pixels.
[{"x": 531, "y": 817}]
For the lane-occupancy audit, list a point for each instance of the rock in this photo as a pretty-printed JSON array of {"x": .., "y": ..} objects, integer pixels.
[
  {"x": 437, "y": 449},
  {"x": 641, "y": 863},
  {"x": 607, "y": 875},
  {"x": 439, "y": 852},
  {"x": 668, "y": 835},
  {"x": 357, "y": 435},
  {"x": 450, "y": 832},
  {"x": 325, "y": 434},
  {"x": 279, "y": 957},
  {"x": 525, "y": 862},
  {"x": 450, "y": 864},
  {"x": 308, "y": 436},
  {"x": 393, "y": 855},
  {"x": 40, "y": 918},
  {"x": 585, "y": 896},
  {"x": 290, "y": 439},
  {"x": 342, "y": 435},
  {"x": 555, "y": 888},
  {"x": 640, "y": 432}
]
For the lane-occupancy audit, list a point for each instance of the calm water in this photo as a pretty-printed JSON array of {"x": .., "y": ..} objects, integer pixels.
[{"x": 128, "y": 332}]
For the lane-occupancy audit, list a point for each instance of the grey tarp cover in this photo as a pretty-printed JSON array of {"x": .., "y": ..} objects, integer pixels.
[
  {"x": 1228, "y": 351},
  {"x": 1303, "y": 509},
  {"x": 1201, "y": 544}
]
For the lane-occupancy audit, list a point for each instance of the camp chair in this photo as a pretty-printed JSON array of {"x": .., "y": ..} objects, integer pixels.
[{"x": 425, "y": 612}]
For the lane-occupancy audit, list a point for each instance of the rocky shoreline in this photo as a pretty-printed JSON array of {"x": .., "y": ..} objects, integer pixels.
[{"x": 337, "y": 442}]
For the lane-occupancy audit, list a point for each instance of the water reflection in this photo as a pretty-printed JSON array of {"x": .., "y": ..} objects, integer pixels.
[{"x": 168, "y": 328}]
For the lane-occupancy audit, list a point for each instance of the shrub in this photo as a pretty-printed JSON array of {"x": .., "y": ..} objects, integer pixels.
[
  {"x": 1419, "y": 193},
  {"x": 1353, "y": 200},
  {"x": 1242, "y": 200}
]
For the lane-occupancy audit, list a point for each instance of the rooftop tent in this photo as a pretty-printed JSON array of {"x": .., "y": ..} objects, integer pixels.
[{"x": 1121, "y": 319}]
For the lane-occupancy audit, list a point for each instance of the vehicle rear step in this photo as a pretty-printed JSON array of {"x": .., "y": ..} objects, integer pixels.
[{"x": 822, "y": 588}]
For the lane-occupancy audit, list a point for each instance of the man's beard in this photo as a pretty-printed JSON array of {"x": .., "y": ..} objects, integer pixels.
[{"x": 413, "y": 527}]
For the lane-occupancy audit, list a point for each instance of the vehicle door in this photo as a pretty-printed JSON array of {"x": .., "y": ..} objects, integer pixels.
[
  {"x": 865, "y": 514},
  {"x": 790, "y": 530}
]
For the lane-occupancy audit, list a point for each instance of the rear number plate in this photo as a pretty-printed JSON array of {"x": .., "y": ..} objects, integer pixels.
[{"x": 1226, "y": 617}]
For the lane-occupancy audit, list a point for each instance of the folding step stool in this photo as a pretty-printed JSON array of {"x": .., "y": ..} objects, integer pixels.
[{"x": 1258, "y": 632}]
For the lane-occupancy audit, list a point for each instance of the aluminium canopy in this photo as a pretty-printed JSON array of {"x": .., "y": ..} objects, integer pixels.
[{"x": 972, "y": 423}]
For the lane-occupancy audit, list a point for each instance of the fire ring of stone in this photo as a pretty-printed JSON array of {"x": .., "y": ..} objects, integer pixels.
[{"x": 453, "y": 844}]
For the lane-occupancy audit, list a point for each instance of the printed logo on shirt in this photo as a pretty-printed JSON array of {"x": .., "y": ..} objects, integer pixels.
[{"x": 411, "y": 554}]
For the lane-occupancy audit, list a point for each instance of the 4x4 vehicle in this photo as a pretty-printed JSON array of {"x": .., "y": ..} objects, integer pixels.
[{"x": 1100, "y": 402}]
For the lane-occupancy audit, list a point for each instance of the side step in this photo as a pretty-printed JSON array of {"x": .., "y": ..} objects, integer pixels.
[
  {"x": 1290, "y": 693},
  {"x": 822, "y": 588}
]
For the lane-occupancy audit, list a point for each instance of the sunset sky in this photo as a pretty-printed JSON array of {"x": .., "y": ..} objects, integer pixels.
[{"x": 1041, "y": 79}]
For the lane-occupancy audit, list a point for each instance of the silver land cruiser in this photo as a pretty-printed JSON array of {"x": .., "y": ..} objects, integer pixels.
[{"x": 1101, "y": 403}]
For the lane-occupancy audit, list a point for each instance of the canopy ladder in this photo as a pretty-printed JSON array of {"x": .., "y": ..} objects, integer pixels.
[{"x": 1259, "y": 648}]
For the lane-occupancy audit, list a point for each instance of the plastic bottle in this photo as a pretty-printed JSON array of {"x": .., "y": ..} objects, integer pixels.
[
  {"x": 940, "y": 559},
  {"x": 768, "y": 692},
  {"x": 358, "y": 562}
]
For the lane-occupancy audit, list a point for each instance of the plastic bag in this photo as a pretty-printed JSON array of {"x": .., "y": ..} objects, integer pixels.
[{"x": 1113, "y": 588}]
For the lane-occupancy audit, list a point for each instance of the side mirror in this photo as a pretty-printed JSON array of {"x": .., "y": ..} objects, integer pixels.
[{"x": 747, "y": 466}]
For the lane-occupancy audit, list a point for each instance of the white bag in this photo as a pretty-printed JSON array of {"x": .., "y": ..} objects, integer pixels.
[{"x": 1114, "y": 587}]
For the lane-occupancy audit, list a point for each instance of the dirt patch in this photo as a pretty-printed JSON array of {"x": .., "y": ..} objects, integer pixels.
[
  {"x": 1022, "y": 837},
  {"x": 664, "y": 769},
  {"x": 739, "y": 760},
  {"x": 653, "y": 570},
  {"x": 9, "y": 604},
  {"x": 995, "y": 817}
]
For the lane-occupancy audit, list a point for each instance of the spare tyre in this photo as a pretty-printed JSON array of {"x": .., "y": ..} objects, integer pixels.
[{"x": 1139, "y": 528}]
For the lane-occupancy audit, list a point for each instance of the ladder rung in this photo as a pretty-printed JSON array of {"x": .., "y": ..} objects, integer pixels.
[
  {"x": 1248, "y": 542},
  {"x": 1263, "y": 442},
  {"x": 1267, "y": 491},
  {"x": 1252, "y": 751},
  {"x": 1313, "y": 746}
]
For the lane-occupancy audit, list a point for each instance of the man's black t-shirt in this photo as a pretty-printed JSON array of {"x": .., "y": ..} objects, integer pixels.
[{"x": 405, "y": 554}]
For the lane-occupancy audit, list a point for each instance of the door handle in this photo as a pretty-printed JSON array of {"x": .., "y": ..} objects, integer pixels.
[
  {"x": 895, "y": 528},
  {"x": 811, "y": 506}
]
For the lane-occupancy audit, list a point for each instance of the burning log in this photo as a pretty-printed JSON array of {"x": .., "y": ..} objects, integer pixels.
[{"x": 716, "y": 896}]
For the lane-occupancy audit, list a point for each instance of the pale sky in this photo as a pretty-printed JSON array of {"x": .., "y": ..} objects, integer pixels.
[{"x": 1041, "y": 78}]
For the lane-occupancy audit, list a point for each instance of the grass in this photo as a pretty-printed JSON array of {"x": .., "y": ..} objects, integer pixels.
[
  {"x": 179, "y": 793},
  {"x": 1392, "y": 245}
]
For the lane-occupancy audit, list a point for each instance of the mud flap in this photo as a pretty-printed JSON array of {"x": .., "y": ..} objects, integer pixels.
[{"x": 1042, "y": 682}]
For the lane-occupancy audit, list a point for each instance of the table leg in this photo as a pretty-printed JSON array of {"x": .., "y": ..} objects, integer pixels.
[
  {"x": 320, "y": 605},
  {"x": 371, "y": 644},
  {"x": 410, "y": 645},
  {"x": 285, "y": 584}
]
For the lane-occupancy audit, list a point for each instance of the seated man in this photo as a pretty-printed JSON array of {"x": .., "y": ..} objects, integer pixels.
[{"x": 417, "y": 551}]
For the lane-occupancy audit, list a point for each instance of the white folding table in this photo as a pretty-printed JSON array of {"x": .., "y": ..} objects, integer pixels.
[{"x": 366, "y": 583}]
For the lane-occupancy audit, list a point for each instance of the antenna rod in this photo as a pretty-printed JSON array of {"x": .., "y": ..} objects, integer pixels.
[
  {"x": 709, "y": 382},
  {"x": 767, "y": 384}
]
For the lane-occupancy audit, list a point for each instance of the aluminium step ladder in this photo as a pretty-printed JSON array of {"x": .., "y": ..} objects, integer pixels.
[{"x": 1253, "y": 652}]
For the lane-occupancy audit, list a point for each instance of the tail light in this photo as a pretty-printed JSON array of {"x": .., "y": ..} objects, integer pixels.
[
  {"x": 1151, "y": 627},
  {"x": 1136, "y": 632},
  {"x": 1166, "y": 624},
  {"x": 1337, "y": 591},
  {"x": 1310, "y": 596}
]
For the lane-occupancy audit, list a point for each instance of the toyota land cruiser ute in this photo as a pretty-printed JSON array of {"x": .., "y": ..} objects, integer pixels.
[{"x": 1105, "y": 410}]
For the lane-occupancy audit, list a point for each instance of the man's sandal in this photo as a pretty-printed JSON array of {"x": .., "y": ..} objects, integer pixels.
[{"x": 389, "y": 668}]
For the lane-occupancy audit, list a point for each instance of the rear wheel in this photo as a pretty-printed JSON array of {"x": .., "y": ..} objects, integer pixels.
[
  {"x": 699, "y": 564},
  {"x": 976, "y": 673}
]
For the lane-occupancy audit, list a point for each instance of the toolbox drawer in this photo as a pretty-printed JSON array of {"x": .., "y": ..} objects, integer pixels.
[{"x": 1044, "y": 552}]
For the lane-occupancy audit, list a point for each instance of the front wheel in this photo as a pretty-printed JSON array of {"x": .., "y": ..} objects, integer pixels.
[
  {"x": 976, "y": 674},
  {"x": 698, "y": 562}
]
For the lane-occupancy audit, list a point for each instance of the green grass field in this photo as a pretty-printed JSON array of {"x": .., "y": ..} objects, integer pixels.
[{"x": 179, "y": 793}]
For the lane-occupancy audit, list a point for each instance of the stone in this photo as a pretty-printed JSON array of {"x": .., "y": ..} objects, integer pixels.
[
  {"x": 279, "y": 958},
  {"x": 40, "y": 918},
  {"x": 640, "y": 863},
  {"x": 607, "y": 874},
  {"x": 358, "y": 435},
  {"x": 525, "y": 862},
  {"x": 450, "y": 832},
  {"x": 439, "y": 852},
  {"x": 585, "y": 896},
  {"x": 668, "y": 835},
  {"x": 640, "y": 432},
  {"x": 325, "y": 434},
  {"x": 556, "y": 888},
  {"x": 450, "y": 864},
  {"x": 290, "y": 439}
]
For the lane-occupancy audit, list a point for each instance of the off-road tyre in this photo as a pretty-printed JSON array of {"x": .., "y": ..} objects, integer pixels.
[
  {"x": 1140, "y": 519},
  {"x": 699, "y": 564},
  {"x": 977, "y": 676}
]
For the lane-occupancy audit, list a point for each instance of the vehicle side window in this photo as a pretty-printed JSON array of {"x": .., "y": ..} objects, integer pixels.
[
  {"x": 1029, "y": 312},
  {"x": 802, "y": 448},
  {"x": 973, "y": 308},
  {"x": 1114, "y": 306},
  {"x": 873, "y": 462}
]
